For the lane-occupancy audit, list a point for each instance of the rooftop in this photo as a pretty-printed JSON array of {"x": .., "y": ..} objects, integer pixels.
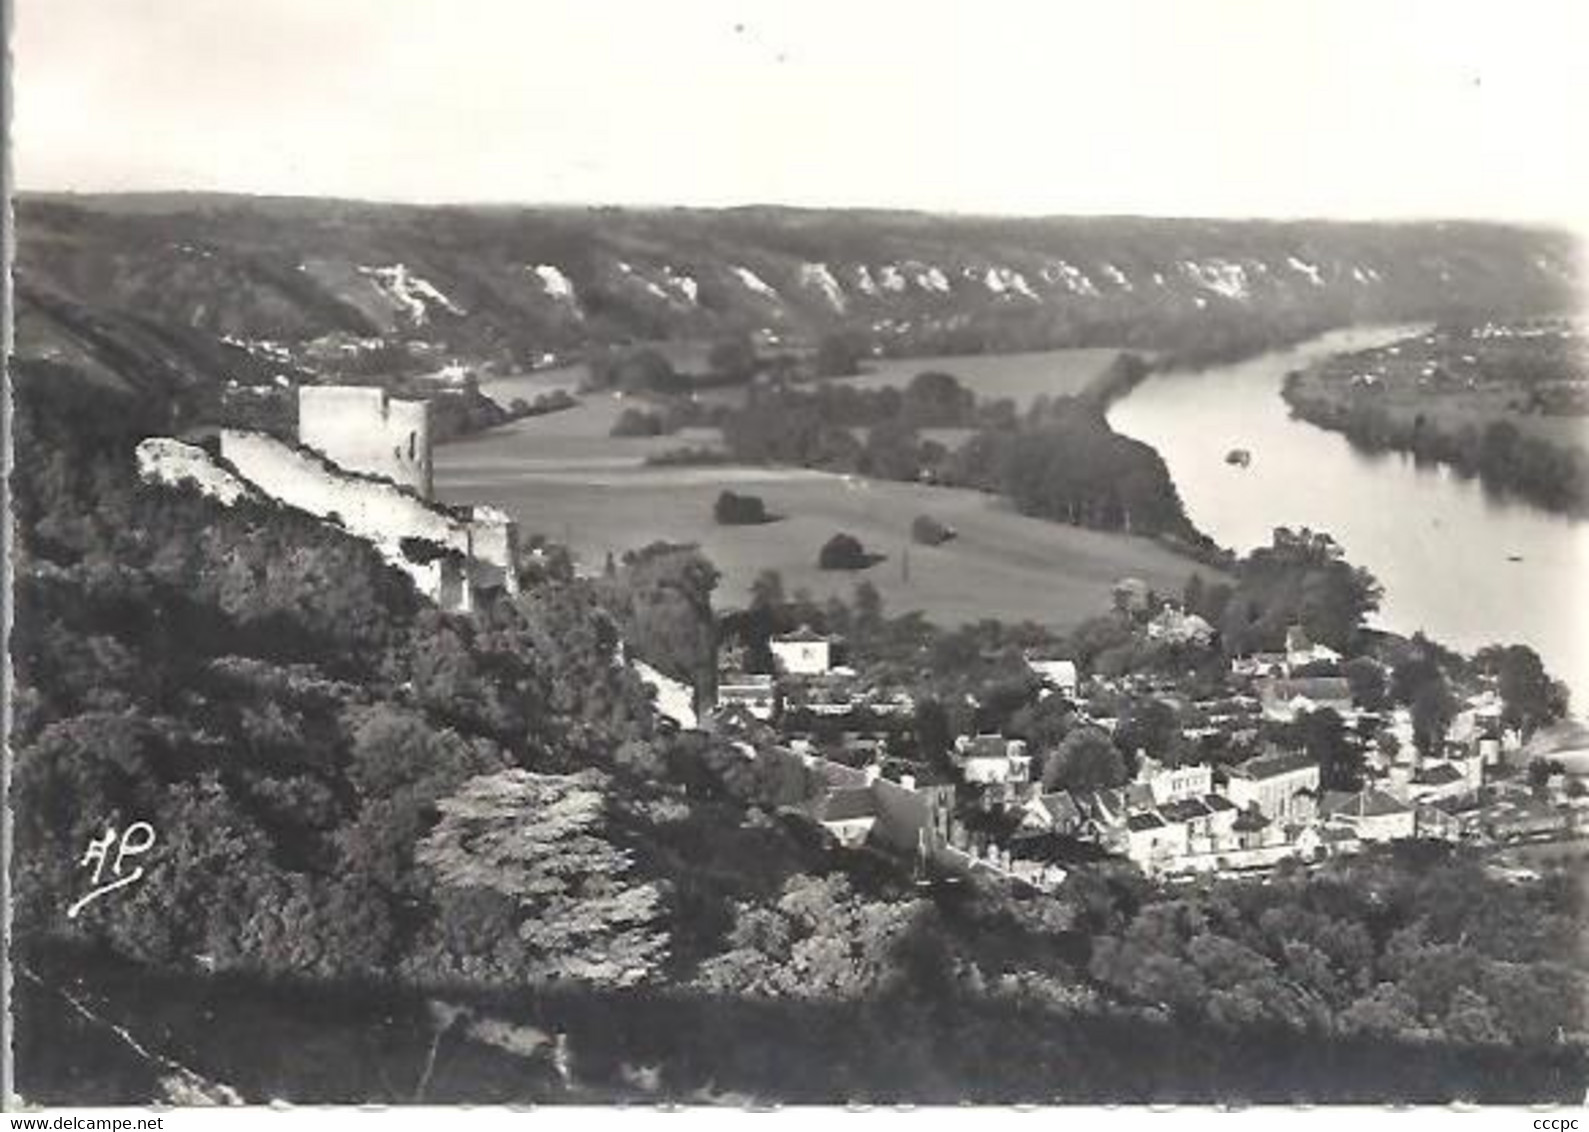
[
  {"x": 1370, "y": 803},
  {"x": 1442, "y": 774},
  {"x": 1274, "y": 765},
  {"x": 848, "y": 804}
]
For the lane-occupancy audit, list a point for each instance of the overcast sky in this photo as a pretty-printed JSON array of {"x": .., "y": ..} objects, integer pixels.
[{"x": 1347, "y": 108}]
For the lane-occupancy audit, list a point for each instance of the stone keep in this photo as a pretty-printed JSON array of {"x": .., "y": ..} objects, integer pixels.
[{"x": 361, "y": 428}]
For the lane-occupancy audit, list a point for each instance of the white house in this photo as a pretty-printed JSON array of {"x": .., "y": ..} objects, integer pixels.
[
  {"x": 993, "y": 760},
  {"x": 1176, "y": 627},
  {"x": 1173, "y": 783},
  {"x": 1058, "y": 675},
  {"x": 1152, "y": 843},
  {"x": 755, "y": 694},
  {"x": 1283, "y": 786},
  {"x": 803, "y": 652},
  {"x": 1372, "y": 814}
]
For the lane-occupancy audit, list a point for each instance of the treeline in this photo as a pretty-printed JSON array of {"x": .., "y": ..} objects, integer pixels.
[
  {"x": 1060, "y": 460},
  {"x": 1504, "y": 458}
]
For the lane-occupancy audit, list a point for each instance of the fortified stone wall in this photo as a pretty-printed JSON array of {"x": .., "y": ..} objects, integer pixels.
[
  {"x": 363, "y": 429},
  {"x": 167, "y": 461},
  {"x": 481, "y": 545}
]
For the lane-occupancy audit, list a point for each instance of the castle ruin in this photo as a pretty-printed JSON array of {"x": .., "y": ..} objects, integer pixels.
[{"x": 364, "y": 463}]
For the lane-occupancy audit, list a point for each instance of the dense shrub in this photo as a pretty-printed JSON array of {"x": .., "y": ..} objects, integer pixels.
[
  {"x": 929, "y": 531},
  {"x": 844, "y": 552},
  {"x": 637, "y": 422},
  {"x": 740, "y": 510}
]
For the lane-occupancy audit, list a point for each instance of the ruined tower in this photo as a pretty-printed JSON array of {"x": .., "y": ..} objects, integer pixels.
[{"x": 363, "y": 429}]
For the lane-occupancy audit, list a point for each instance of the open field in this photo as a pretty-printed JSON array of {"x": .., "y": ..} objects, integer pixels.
[{"x": 562, "y": 476}]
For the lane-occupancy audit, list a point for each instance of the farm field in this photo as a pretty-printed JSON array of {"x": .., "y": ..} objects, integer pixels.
[{"x": 562, "y": 476}]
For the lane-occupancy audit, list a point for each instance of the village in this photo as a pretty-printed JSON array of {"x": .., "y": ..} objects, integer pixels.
[{"x": 987, "y": 809}]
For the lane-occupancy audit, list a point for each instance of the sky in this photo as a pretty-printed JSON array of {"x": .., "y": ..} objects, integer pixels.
[{"x": 1339, "y": 108}]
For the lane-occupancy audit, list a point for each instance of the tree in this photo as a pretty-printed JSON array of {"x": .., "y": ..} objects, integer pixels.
[
  {"x": 868, "y": 604},
  {"x": 637, "y": 422},
  {"x": 662, "y": 598},
  {"x": 766, "y": 590},
  {"x": 1366, "y": 678},
  {"x": 1086, "y": 760},
  {"x": 1433, "y": 709},
  {"x": 732, "y": 509},
  {"x": 843, "y": 552},
  {"x": 929, "y": 531},
  {"x": 1044, "y": 722},
  {"x": 734, "y": 358},
  {"x": 538, "y": 842},
  {"x": 1322, "y": 734},
  {"x": 1149, "y": 726},
  {"x": 1528, "y": 695},
  {"x": 839, "y": 354}
]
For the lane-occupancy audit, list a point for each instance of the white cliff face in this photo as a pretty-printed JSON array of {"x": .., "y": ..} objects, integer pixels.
[
  {"x": 892, "y": 278},
  {"x": 864, "y": 281},
  {"x": 410, "y": 293},
  {"x": 1074, "y": 279},
  {"x": 754, "y": 283},
  {"x": 818, "y": 277},
  {"x": 1222, "y": 276},
  {"x": 1306, "y": 269},
  {"x": 1007, "y": 281},
  {"x": 684, "y": 285},
  {"x": 558, "y": 287},
  {"x": 1116, "y": 276},
  {"x": 648, "y": 286},
  {"x": 933, "y": 279}
]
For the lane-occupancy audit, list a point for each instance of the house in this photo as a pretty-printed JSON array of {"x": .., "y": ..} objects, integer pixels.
[
  {"x": 1259, "y": 665},
  {"x": 989, "y": 760},
  {"x": 1442, "y": 780},
  {"x": 1196, "y": 819},
  {"x": 1151, "y": 843},
  {"x": 1301, "y": 652},
  {"x": 804, "y": 652},
  {"x": 1372, "y": 813},
  {"x": 1060, "y": 676},
  {"x": 1054, "y": 813},
  {"x": 754, "y": 694},
  {"x": 1283, "y": 786},
  {"x": 1285, "y": 698},
  {"x": 1254, "y": 831},
  {"x": 1432, "y": 822},
  {"x": 849, "y": 815},
  {"x": 1169, "y": 783},
  {"x": 1174, "y": 626}
]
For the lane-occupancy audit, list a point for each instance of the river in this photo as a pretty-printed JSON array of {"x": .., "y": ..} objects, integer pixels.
[{"x": 1464, "y": 566}]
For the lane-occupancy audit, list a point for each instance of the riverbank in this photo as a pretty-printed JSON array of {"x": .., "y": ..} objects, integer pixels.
[{"x": 1506, "y": 405}]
